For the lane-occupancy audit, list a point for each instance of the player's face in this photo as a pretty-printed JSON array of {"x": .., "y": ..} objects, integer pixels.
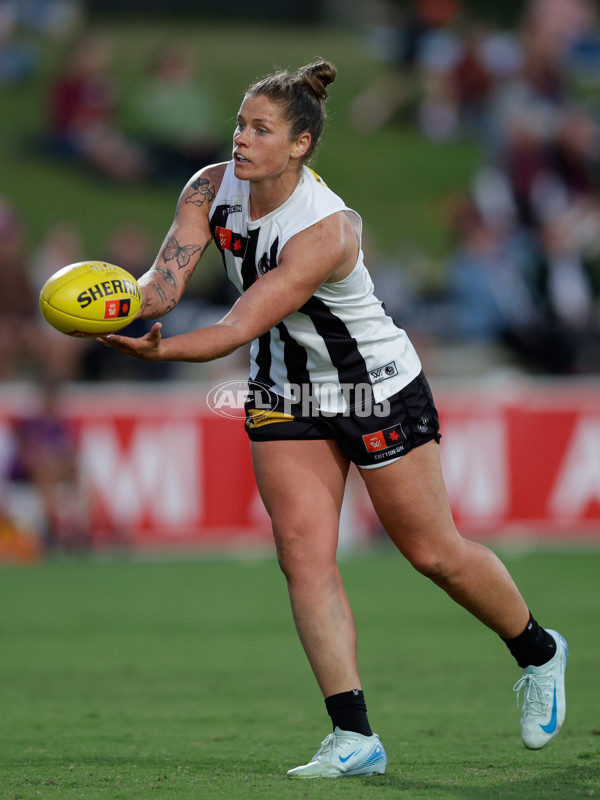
[{"x": 262, "y": 147}]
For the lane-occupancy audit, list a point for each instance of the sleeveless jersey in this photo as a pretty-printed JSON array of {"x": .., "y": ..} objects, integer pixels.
[{"x": 338, "y": 340}]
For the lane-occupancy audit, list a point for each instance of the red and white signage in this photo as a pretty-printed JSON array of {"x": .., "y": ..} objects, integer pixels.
[
  {"x": 163, "y": 470},
  {"x": 526, "y": 460}
]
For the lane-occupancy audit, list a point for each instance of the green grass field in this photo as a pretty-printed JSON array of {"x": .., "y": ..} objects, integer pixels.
[{"x": 184, "y": 679}]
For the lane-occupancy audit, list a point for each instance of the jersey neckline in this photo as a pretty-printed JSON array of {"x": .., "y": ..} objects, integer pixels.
[{"x": 256, "y": 223}]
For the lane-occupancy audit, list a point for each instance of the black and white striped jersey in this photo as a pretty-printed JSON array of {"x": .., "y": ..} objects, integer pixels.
[{"x": 341, "y": 338}]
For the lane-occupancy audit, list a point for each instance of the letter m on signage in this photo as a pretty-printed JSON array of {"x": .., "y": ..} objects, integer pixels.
[{"x": 153, "y": 479}]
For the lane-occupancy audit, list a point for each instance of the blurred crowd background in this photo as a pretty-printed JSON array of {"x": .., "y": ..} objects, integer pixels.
[
  {"x": 517, "y": 279},
  {"x": 483, "y": 122}
]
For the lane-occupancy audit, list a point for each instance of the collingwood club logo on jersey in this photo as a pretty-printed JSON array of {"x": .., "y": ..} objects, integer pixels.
[
  {"x": 383, "y": 373},
  {"x": 265, "y": 265}
]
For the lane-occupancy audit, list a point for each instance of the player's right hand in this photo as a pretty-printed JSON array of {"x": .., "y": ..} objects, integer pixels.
[{"x": 144, "y": 348}]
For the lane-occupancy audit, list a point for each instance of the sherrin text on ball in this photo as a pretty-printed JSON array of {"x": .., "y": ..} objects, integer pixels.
[{"x": 90, "y": 298}]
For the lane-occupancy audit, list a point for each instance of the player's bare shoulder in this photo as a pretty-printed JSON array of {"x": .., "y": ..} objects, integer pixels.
[
  {"x": 329, "y": 248},
  {"x": 200, "y": 191}
]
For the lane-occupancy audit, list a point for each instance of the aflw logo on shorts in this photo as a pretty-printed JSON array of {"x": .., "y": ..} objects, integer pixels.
[
  {"x": 381, "y": 440},
  {"x": 383, "y": 373}
]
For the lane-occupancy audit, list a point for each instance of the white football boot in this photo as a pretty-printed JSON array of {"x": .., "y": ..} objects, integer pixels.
[
  {"x": 543, "y": 698},
  {"x": 343, "y": 754}
]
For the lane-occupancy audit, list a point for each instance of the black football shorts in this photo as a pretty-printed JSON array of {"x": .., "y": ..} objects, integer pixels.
[{"x": 385, "y": 433}]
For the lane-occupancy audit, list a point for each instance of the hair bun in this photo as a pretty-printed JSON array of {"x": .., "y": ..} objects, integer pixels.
[{"x": 318, "y": 76}]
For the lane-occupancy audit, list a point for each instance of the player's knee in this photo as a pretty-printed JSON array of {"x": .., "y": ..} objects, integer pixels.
[
  {"x": 436, "y": 566},
  {"x": 288, "y": 547},
  {"x": 295, "y": 565},
  {"x": 288, "y": 564},
  {"x": 298, "y": 559}
]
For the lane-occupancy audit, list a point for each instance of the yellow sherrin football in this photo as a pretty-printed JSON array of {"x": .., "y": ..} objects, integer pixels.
[{"x": 90, "y": 299}]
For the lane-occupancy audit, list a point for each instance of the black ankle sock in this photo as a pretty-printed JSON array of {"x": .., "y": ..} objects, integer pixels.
[
  {"x": 348, "y": 711},
  {"x": 533, "y": 647}
]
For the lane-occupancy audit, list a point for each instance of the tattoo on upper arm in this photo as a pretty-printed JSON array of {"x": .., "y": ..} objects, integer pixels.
[
  {"x": 182, "y": 254},
  {"x": 203, "y": 191}
]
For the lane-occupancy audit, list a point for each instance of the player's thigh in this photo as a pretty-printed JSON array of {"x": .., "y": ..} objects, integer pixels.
[
  {"x": 302, "y": 487},
  {"x": 410, "y": 499}
]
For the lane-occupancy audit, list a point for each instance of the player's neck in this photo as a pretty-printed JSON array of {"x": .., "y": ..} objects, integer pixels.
[{"x": 270, "y": 193}]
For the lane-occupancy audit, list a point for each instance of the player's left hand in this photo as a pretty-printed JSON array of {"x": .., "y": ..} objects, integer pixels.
[{"x": 145, "y": 348}]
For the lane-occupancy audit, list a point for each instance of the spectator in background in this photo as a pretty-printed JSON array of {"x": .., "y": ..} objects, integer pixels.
[
  {"x": 472, "y": 80},
  {"x": 62, "y": 356},
  {"x": 525, "y": 159},
  {"x": 426, "y": 17},
  {"x": 485, "y": 284},
  {"x": 28, "y": 345},
  {"x": 18, "y": 57},
  {"x": 18, "y": 301},
  {"x": 53, "y": 18},
  {"x": 83, "y": 121},
  {"x": 44, "y": 486},
  {"x": 417, "y": 46},
  {"x": 175, "y": 115},
  {"x": 493, "y": 299},
  {"x": 556, "y": 26},
  {"x": 569, "y": 286},
  {"x": 575, "y": 154},
  {"x": 60, "y": 246},
  {"x": 514, "y": 277}
]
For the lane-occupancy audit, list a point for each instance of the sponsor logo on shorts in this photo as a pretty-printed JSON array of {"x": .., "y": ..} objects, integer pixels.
[
  {"x": 378, "y": 441},
  {"x": 396, "y": 452},
  {"x": 383, "y": 373},
  {"x": 113, "y": 309}
]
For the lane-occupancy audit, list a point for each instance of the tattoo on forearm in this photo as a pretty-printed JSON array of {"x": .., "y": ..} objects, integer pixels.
[
  {"x": 166, "y": 304},
  {"x": 166, "y": 275},
  {"x": 163, "y": 311},
  {"x": 182, "y": 254},
  {"x": 160, "y": 292},
  {"x": 203, "y": 191}
]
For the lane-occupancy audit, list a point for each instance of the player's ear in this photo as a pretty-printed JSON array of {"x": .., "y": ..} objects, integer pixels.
[{"x": 301, "y": 145}]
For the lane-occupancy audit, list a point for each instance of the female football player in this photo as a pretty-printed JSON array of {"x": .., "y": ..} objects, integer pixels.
[{"x": 333, "y": 380}]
